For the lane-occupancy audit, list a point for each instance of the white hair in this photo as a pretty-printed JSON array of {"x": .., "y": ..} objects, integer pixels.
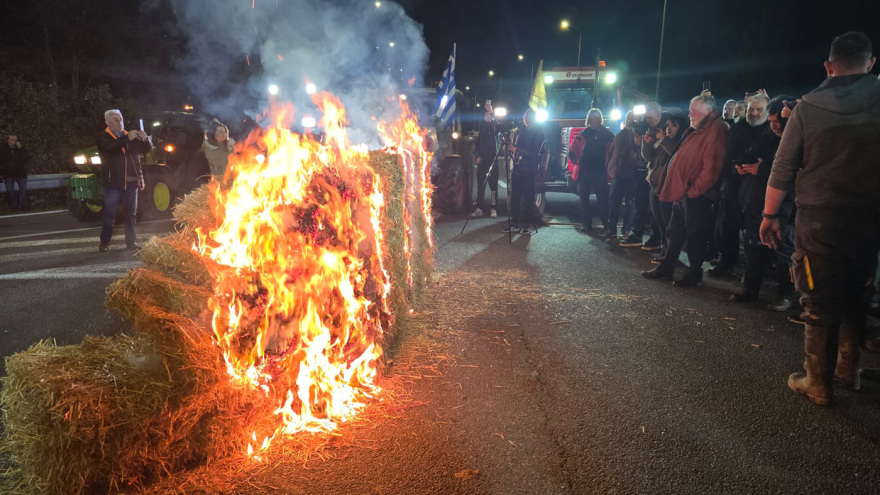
[
  {"x": 110, "y": 112},
  {"x": 761, "y": 96},
  {"x": 707, "y": 100},
  {"x": 653, "y": 105}
]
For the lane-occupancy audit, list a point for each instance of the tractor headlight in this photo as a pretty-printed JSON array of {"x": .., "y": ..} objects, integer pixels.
[
  {"x": 79, "y": 159},
  {"x": 95, "y": 160}
]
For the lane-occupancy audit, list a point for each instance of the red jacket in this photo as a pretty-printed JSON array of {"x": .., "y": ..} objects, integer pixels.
[{"x": 694, "y": 169}]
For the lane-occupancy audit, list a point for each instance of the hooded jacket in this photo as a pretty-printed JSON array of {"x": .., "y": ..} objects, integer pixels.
[
  {"x": 831, "y": 145},
  {"x": 217, "y": 155},
  {"x": 693, "y": 170},
  {"x": 120, "y": 158}
]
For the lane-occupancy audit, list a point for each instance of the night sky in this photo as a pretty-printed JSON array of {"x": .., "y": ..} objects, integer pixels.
[{"x": 737, "y": 45}]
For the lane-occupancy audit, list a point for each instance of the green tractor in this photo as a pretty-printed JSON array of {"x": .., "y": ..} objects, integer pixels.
[{"x": 172, "y": 168}]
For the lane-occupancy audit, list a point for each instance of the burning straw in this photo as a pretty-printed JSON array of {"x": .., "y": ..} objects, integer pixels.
[{"x": 219, "y": 360}]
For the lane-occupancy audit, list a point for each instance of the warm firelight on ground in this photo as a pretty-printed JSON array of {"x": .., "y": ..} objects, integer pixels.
[{"x": 301, "y": 291}]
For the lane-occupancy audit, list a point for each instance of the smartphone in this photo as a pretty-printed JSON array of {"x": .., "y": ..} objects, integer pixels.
[
  {"x": 707, "y": 85},
  {"x": 489, "y": 103}
]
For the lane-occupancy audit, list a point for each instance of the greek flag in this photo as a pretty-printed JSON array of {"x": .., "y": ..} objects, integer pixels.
[{"x": 445, "y": 110}]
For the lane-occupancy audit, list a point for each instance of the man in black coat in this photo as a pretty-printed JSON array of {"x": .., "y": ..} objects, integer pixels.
[
  {"x": 121, "y": 175},
  {"x": 527, "y": 162},
  {"x": 14, "y": 160},
  {"x": 487, "y": 147}
]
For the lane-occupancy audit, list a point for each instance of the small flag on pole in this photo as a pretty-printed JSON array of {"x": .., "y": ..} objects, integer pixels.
[
  {"x": 538, "y": 98},
  {"x": 445, "y": 109}
]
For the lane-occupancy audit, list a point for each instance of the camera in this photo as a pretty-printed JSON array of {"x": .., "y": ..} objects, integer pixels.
[{"x": 640, "y": 127}]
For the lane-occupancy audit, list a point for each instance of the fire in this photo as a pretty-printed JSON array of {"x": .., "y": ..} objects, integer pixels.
[{"x": 300, "y": 298}]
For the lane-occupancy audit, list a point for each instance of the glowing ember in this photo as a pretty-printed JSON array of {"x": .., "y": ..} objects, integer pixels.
[{"x": 300, "y": 290}]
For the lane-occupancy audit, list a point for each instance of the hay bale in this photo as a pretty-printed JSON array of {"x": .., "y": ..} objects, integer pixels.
[{"x": 114, "y": 412}]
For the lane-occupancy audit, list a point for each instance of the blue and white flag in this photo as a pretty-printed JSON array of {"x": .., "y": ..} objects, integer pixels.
[{"x": 445, "y": 109}]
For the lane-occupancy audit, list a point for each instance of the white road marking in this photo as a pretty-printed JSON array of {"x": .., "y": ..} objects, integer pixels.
[
  {"x": 16, "y": 215},
  {"x": 57, "y": 232},
  {"x": 47, "y": 242},
  {"x": 104, "y": 270}
]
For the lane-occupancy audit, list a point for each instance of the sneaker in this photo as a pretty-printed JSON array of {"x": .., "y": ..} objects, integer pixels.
[
  {"x": 493, "y": 213},
  {"x": 511, "y": 228},
  {"x": 780, "y": 304},
  {"x": 477, "y": 213},
  {"x": 651, "y": 245},
  {"x": 631, "y": 241},
  {"x": 526, "y": 230}
]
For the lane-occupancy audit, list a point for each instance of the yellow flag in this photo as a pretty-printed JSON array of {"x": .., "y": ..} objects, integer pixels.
[{"x": 538, "y": 98}]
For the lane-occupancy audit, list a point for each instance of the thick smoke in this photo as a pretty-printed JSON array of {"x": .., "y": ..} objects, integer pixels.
[{"x": 342, "y": 46}]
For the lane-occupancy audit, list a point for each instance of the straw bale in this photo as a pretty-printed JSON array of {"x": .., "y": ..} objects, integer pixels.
[{"x": 114, "y": 412}]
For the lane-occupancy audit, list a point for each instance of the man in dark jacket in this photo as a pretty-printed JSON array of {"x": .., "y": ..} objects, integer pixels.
[
  {"x": 14, "y": 160},
  {"x": 829, "y": 152},
  {"x": 486, "y": 148},
  {"x": 753, "y": 185},
  {"x": 592, "y": 175},
  {"x": 121, "y": 175},
  {"x": 527, "y": 161}
]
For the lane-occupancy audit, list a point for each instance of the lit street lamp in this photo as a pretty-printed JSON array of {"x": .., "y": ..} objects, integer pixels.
[
  {"x": 565, "y": 25},
  {"x": 520, "y": 57},
  {"x": 491, "y": 73}
]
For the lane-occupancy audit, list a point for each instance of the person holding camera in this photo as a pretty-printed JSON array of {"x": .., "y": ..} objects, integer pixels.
[
  {"x": 526, "y": 162},
  {"x": 754, "y": 172},
  {"x": 121, "y": 175},
  {"x": 829, "y": 153},
  {"x": 14, "y": 159},
  {"x": 486, "y": 149},
  {"x": 642, "y": 192}
]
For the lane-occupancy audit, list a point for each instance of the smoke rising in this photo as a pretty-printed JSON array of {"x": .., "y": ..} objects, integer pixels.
[{"x": 237, "y": 48}]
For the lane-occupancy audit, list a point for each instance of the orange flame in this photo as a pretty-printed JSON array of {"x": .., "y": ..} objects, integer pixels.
[{"x": 300, "y": 288}]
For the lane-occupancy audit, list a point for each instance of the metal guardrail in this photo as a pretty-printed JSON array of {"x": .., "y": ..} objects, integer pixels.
[{"x": 45, "y": 181}]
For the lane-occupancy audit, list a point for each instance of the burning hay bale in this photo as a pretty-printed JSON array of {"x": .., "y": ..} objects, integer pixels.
[{"x": 265, "y": 314}]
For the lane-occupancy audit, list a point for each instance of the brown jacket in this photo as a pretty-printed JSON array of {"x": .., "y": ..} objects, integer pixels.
[
  {"x": 622, "y": 157},
  {"x": 694, "y": 169}
]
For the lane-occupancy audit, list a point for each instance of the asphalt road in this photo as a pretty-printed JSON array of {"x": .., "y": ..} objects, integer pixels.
[{"x": 545, "y": 365}]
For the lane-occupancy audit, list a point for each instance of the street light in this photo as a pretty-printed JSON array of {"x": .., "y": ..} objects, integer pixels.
[
  {"x": 519, "y": 57},
  {"x": 491, "y": 73},
  {"x": 391, "y": 44},
  {"x": 565, "y": 25}
]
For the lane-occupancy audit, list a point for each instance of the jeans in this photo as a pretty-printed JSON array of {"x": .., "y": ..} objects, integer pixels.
[
  {"x": 621, "y": 190},
  {"x": 18, "y": 200},
  {"x": 593, "y": 182},
  {"x": 642, "y": 193},
  {"x": 662, "y": 211},
  {"x": 112, "y": 197},
  {"x": 691, "y": 221},
  {"x": 522, "y": 199},
  {"x": 482, "y": 170},
  {"x": 727, "y": 229}
]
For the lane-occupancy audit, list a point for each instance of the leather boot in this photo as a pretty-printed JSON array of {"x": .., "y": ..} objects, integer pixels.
[
  {"x": 816, "y": 383},
  {"x": 846, "y": 373}
]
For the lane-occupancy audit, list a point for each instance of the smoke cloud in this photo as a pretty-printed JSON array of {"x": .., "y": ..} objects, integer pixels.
[{"x": 361, "y": 53}]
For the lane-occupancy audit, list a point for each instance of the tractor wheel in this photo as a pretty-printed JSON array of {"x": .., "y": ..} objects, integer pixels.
[
  {"x": 452, "y": 194},
  {"x": 157, "y": 199},
  {"x": 84, "y": 210}
]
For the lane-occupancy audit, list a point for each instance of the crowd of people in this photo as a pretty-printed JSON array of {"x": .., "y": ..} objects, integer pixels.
[{"x": 789, "y": 183}]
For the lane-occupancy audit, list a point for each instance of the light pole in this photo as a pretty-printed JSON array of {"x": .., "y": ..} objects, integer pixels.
[
  {"x": 660, "y": 56},
  {"x": 565, "y": 25}
]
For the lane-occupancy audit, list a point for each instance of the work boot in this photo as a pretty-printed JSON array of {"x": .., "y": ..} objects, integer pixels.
[
  {"x": 846, "y": 373},
  {"x": 816, "y": 382}
]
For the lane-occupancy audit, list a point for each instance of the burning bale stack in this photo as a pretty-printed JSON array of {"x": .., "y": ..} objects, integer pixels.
[{"x": 264, "y": 315}]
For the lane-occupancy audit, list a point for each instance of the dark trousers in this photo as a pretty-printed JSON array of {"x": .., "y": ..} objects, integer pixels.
[
  {"x": 834, "y": 260},
  {"x": 691, "y": 221},
  {"x": 662, "y": 212},
  {"x": 642, "y": 194},
  {"x": 482, "y": 170},
  {"x": 594, "y": 183},
  {"x": 727, "y": 229},
  {"x": 621, "y": 190},
  {"x": 18, "y": 200},
  {"x": 112, "y": 198},
  {"x": 522, "y": 198},
  {"x": 760, "y": 257}
]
